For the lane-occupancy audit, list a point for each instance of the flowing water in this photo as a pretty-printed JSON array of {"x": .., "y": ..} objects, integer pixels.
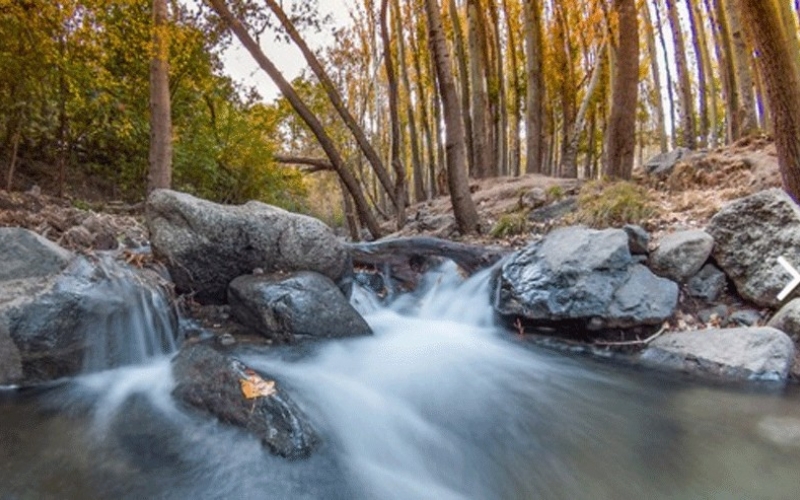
[{"x": 439, "y": 404}]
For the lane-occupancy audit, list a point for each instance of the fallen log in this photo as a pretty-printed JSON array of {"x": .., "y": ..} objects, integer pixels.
[{"x": 405, "y": 260}]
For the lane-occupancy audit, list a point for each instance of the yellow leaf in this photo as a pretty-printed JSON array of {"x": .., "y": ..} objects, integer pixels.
[{"x": 254, "y": 386}]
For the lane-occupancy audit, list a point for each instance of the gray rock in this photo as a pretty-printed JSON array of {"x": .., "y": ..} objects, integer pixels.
[
  {"x": 206, "y": 245},
  {"x": 534, "y": 198},
  {"x": 580, "y": 274},
  {"x": 720, "y": 311},
  {"x": 744, "y": 317},
  {"x": 91, "y": 316},
  {"x": 209, "y": 381},
  {"x": 680, "y": 255},
  {"x": 554, "y": 211},
  {"x": 10, "y": 362},
  {"x": 638, "y": 239},
  {"x": 707, "y": 284},
  {"x": 28, "y": 255},
  {"x": 761, "y": 353},
  {"x": 282, "y": 306},
  {"x": 750, "y": 234},
  {"x": 663, "y": 164},
  {"x": 787, "y": 319}
]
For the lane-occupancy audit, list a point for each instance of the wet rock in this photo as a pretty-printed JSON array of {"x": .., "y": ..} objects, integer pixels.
[
  {"x": 707, "y": 284},
  {"x": 787, "y": 319},
  {"x": 638, "y": 239},
  {"x": 580, "y": 274},
  {"x": 761, "y": 353},
  {"x": 680, "y": 255},
  {"x": 25, "y": 254},
  {"x": 92, "y": 315},
  {"x": 744, "y": 317},
  {"x": 663, "y": 164},
  {"x": 10, "y": 362},
  {"x": 206, "y": 245},
  {"x": 283, "y": 306},
  {"x": 750, "y": 234},
  {"x": 209, "y": 381}
]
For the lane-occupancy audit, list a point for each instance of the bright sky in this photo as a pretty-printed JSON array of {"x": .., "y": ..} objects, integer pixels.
[{"x": 243, "y": 69}]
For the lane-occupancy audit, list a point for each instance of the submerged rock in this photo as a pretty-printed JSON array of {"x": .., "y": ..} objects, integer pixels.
[
  {"x": 682, "y": 254},
  {"x": 580, "y": 274},
  {"x": 282, "y": 306},
  {"x": 211, "y": 382},
  {"x": 761, "y": 353},
  {"x": 750, "y": 234},
  {"x": 206, "y": 245}
]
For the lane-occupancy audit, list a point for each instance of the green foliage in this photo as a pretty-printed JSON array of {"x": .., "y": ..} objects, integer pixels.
[
  {"x": 604, "y": 204},
  {"x": 555, "y": 193},
  {"x": 510, "y": 224}
]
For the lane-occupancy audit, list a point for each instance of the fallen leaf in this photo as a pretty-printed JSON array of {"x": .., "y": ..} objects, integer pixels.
[{"x": 254, "y": 386}]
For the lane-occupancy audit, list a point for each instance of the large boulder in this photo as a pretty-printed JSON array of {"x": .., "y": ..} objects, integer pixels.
[
  {"x": 760, "y": 353},
  {"x": 680, "y": 255},
  {"x": 213, "y": 383},
  {"x": 750, "y": 234},
  {"x": 93, "y": 314},
  {"x": 206, "y": 245},
  {"x": 28, "y": 255},
  {"x": 305, "y": 303},
  {"x": 663, "y": 164},
  {"x": 580, "y": 274}
]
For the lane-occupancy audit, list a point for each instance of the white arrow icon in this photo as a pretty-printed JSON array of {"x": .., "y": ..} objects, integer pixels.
[{"x": 795, "y": 278}]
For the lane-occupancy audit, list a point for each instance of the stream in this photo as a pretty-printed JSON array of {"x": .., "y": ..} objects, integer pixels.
[{"x": 441, "y": 403}]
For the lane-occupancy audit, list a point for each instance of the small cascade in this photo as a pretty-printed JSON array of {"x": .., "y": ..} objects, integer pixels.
[{"x": 128, "y": 320}]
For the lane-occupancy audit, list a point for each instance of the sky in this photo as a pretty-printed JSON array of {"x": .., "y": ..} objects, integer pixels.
[{"x": 289, "y": 60}]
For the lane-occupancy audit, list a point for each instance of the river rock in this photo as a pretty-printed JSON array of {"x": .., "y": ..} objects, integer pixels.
[
  {"x": 750, "y": 234},
  {"x": 28, "y": 255},
  {"x": 638, "y": 239},
  {"x": 707, "y": 284},
  {"x": 586, "y": 275},
  {"x": 209, "y": 381},
  {"x": 680, "y": 255},
  {"x": 283, "y": 306},
  {"x": 760, "y": 353},
  {"x": 787, "y": 319},
  {"x": 663, "y": 164},
  {"x": 90, "y": 316},
  {"x": 206, "y": 245}
]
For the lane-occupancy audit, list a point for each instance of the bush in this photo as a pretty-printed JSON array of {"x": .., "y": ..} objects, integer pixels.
[
  {"x": 510, "y": 225},
  {"x": 605, "y": 204}
]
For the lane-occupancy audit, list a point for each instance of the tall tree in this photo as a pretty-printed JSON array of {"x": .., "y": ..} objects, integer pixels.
[
  {"x": 701, "y": 57},
  {"x": 742, "y": 64},
  {"x": 311, "y": 120},
  {"x": 464, "y": 82},
  {"x": 534, "y": 100},
  {"x": 463, "y": 207},
  {"x": 620, "y": 139},
  {"x": 514, "y": 155},
  {"x": 160, "y": 172},
  {"x": 658, "y": 104},
  {"x": 724, "y": 50},
  {"x": 670, "y": 83},
  {"x": 782, "y": 84},
  {"x": 689, "y": 136},
  {"x": 481, "y": 119}
]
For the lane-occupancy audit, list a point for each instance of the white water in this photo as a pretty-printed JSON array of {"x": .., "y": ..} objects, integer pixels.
[{"x": 439, "y": 404}]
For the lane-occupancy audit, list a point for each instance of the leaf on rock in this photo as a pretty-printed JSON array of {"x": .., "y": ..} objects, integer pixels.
[{"x": 255, "y": 387}]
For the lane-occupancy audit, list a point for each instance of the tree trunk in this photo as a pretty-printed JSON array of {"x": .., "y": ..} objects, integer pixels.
[
  {"x": 160, "y": 173},
  {"x": 661, "y": 126},
  {"x": 724, "y": 50},
  {"x": 689, "y": 135},
  {"x": 621, "y": 141},
  {"x": 711, "y": 87},
  {"x": 422, "y": 100},
  {"x": 748, "y": 121},
  {"x": 501, "y": 113},
  {"x": 790, "y": 28},
  {"x": 670, "y": 83},
  {"x": 782, "y": 85},
  {"x": 463, "y": 207},
  {"x": 534, "y": 100},
  {"x": 515, "y": 152},
  {"x": 12, "y": 163},
  {"x": 463, "y": 78},
  {"x": 569, "y": 160},
  {"x": 394, "y": 118},
  {"x": 701, "y": 56},
  {"x": 349, "y": 214},
  {"x": 308, "y": 117},
  {"x": 336, "y": 100},
  {"x": 478, "y": 93}
]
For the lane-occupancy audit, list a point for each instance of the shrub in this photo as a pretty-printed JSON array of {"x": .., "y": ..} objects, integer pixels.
[
  {"x": 604, "y": 204},
  {"x": 510, "y": 225}
]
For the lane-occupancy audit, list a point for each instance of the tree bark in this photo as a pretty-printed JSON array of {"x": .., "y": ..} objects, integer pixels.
[
  {"x": 661, "y": 126},
  {"x": 515, "y": 153},
  {"x": 534, "y": 100},
  {"x": 782, "y": 85},
  {"x": 701, "y": 56},
  {"x": 300, "y": 107},
  {"x": 670, "y": 82},
  {"x": 621, "y": 141},
  {"x": 336, "y": 100},
  {"x": 724, "y": 50},
  {"x": 748, "y": 121},
  {"x": 710, "y": 89},
  {"x": 689, "y": 135},
  {"x": 569, "y": 159},
  {"x": 463, "y": 207},
  {"x": 478, "y": 92},
  {"x": 463, "y": 79},
  {"x": 394, "y": 118},
  {"x": 498, "y": 79},
  {"x": 160, "y": 172}
]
